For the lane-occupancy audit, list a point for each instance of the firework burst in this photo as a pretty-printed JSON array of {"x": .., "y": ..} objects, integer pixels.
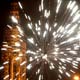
[{"x": 54, "y": 46}]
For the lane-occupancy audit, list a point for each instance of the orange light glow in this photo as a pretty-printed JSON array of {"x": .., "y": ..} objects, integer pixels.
[{"x": 76, "y": 77}]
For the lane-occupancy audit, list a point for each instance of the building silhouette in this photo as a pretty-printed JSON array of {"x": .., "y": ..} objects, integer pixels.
[{"x": 13, "y": 57}]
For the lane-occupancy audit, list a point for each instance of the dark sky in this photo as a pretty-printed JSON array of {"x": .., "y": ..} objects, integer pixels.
[
  {"x": 4, "y": 16},
  {"x": 4, "y": 11}
]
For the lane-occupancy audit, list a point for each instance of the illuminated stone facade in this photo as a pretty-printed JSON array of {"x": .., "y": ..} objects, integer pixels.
[{"x": 13, "y": 57}]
